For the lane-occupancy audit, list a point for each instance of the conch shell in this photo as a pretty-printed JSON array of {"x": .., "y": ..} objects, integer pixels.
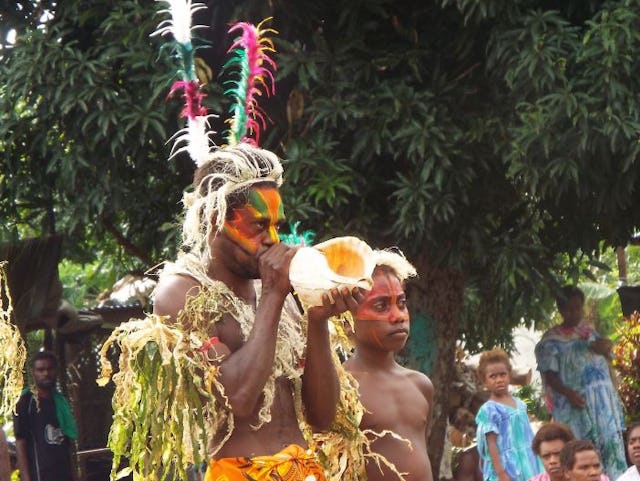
[{"x": 336, "y": 263}]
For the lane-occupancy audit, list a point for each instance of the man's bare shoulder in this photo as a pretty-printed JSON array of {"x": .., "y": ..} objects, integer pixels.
[{"x": 171, "y": 293}]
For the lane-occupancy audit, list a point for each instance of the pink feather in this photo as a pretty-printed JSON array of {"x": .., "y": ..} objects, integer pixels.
[
  {"x": 192, "y": 98},
  {"x": 259, "y": 78}
]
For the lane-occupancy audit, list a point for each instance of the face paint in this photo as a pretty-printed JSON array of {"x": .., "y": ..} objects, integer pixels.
[
  {"x": 257, "y": 222},
  {"x": 386, "y": 301},
  {"x": 376, "y": 338}
]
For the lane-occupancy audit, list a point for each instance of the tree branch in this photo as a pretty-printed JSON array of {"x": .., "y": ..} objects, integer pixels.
[{"x": 129, "y": 247}]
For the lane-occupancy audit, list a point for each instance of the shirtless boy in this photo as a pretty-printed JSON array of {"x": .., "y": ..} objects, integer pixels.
[{"x": 396, "y": 398}]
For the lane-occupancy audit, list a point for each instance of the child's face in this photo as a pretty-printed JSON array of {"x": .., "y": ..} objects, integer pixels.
[
  {"x": 633, "y": 446},
  {"x": 550, "y": 455},
  {"x": 382, "y": 319},
  {"x": 497, "y": 377}
]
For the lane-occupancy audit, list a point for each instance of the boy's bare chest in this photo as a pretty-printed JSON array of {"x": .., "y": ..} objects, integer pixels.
[{"x": 393, "y": 404}]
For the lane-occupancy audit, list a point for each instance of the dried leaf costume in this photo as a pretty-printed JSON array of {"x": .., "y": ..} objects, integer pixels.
[{"x": 13, "y": 354}]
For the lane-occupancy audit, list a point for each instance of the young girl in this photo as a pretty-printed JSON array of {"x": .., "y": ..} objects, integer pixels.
[{"x": 503, "y": 431}]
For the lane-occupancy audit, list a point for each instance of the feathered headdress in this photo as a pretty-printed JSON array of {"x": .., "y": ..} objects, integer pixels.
[
  {"x": 195, "y": 137},
  {"x": 235, "y": 167},
  {"x": 249, "y": 54}
]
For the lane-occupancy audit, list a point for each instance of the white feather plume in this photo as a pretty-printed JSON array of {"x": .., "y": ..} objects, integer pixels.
[
  {"x": 194, "y": 139},
  {"x": 179, "y": 25}
]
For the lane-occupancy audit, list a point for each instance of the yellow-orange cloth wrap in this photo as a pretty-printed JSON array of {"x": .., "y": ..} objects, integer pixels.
[{"x": 293, "y": 463}]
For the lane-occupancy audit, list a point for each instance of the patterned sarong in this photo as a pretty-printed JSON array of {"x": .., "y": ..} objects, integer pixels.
[{"x": 293, "y": 463}]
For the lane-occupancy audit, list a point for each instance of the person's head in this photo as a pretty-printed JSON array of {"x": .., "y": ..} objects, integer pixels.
[
  {"x": 464, "y": 421},
  {"x": 382, "y": 318},
  {"x": 44, "y": 366},
  {"x": 236, "y": 194},
  {"x": 633, "y": 443},
  {"x": 570, "y": 303},
  {"x": 494, "y": 370},
  {"x": 580, "y": 461},
  {"x": 548, "y": 442}
]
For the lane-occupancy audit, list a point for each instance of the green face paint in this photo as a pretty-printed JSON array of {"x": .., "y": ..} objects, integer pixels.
[{"x": 258, "y": 221}]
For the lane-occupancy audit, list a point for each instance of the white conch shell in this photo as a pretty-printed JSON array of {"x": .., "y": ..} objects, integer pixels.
[{"x": 336, "y": 263}]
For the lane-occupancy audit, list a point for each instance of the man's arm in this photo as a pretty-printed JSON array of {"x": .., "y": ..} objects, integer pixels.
[
  {"x": 320, "y": 384},
  {"x": 171, "y": 295},
  {"x": 23, "y": 460},
  {"x": 553, "y": 380},
  {"x": 244, "y": 372},
  {"x": 21, "y": 430}
]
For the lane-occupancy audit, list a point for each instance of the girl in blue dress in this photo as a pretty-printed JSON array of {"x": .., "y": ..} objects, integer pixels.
[{"x": 503, "y": 433}]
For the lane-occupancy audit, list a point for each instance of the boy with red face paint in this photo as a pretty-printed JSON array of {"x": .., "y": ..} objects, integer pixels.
[
  {"x": 231, "y": 281},
  {"x": 395, "y": 398}
]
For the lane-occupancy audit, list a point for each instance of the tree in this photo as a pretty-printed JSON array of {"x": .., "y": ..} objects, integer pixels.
[
  {"x": 489, "y": 140},
  {"x": 83, "y": 127}
]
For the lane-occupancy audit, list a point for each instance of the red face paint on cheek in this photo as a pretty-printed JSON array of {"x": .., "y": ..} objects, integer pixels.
[{"x": 376, "y": 338}]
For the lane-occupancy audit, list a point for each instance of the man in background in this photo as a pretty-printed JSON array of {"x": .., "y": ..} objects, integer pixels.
[{"x": 44, "y": 426}]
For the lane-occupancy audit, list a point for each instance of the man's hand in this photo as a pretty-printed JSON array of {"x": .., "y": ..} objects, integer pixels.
[
  {"x": 340, "y": 301},
  {"x": 601, "y": 346},
  {"x": 576, "y": 399},
  {"x": 273, "y": 265}
]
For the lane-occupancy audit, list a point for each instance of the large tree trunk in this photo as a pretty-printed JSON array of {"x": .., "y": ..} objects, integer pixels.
[{"x": 438, "y": 292}]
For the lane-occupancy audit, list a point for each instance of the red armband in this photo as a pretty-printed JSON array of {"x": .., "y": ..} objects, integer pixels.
[{"x": 209, "y": 344}]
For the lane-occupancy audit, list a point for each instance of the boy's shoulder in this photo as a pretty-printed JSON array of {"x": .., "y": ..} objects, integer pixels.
[{"x": 420, "y": 379}]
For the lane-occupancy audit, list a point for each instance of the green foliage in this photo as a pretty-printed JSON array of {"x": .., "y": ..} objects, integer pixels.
[
  {"x": 574, "y": 139},
  {"x": 497, "y": 139},
  {"x": 627, "y": 363},
  {"x": 534, "y": 399},
  {"x": 400, "y": 129},
  {"x": 490, "y": 137},
  {"x": 83, "y": 283},
  {"x": 83, "y": 126}
]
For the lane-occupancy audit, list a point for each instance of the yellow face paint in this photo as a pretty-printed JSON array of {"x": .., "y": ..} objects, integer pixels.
[{"x": 258, "y": 221}]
